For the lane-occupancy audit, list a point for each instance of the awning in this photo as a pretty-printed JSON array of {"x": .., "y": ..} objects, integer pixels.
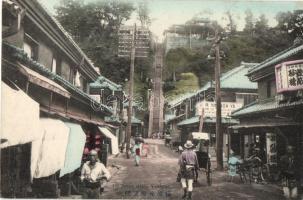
[
  {"x": 44, "y": 82},
  {"x": 265, "y": 124},
  {"x": 74, "y": 151},
  {"x": 211, "y": 120},
  {"x": 48, "y": 154},
  {"x": 19, "y": 117},
  {"x": 114, "y": 140}
]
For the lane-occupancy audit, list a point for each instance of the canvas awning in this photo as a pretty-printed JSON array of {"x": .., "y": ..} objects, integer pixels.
[
  {"x": 48, "y": 154},
  {"x": 19, "y": 117},
  {"x": 113, "y": 138},
  {"x": 74, "y": 151},
  {"x": 44, "y": 82}
]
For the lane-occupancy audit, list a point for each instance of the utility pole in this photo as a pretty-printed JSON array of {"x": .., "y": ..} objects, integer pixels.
[
  {"x": 219, "y": 135},
  {"x": 201, "y": 120},
  {"x": 131, "y": 90}
]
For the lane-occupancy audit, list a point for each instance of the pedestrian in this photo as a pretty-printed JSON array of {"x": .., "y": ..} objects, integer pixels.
[
  {"x": 188, "y": 164},
  {"x": 93, "y": 174},
  {"x": 233, "y": 161},
  {"x": 137, "y": 152},
  {"x": 288, "y": 169}
]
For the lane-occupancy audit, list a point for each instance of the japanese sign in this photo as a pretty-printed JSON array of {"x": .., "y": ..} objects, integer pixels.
[
  {"x": 271, "y": 148},
  {"x": 289, "y": 76},
  {"x": 210, "y": 108}
]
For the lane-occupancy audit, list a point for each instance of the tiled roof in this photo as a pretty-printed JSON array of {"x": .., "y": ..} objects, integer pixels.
[
  {"x": 233, "y": 79},
  {"x": 277, "y": 58},
  {"x": 103, "y": 82},
  {"x": 19, "y": 55},
  {"x": 136, "y": 120},
  {"x": 168, "y": 117},
  {"x": 196, "y": 120},
  {"x": 266, "y": 105}
]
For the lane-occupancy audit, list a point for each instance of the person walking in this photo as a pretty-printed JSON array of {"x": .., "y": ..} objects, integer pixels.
[
  {"x": 93, "y": 174},
  {"x": 188, "y": 162},
  {"x": 137, "y": 152},
  {"x": 289, "y": 173}
]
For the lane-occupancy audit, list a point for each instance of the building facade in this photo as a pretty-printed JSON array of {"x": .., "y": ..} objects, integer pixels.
[
  {"x": 50, "y": 121},
  {"x": 275, "y": 120}
]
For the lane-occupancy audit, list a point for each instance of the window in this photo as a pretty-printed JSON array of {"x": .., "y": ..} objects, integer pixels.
[
  {"x": 54, "y": 65},
  {"x": 30, "y": 46}
]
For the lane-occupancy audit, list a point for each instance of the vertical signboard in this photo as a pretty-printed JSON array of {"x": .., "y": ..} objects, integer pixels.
[{"x": 271, "y": 148}]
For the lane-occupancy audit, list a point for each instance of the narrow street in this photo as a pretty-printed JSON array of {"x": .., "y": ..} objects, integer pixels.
[{"x": 155, "y": 178}]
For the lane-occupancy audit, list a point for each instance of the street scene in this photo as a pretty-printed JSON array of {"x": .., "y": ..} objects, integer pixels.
[{"x": 163, "y": 99}]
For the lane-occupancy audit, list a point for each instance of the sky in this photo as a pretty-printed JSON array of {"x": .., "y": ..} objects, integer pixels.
[{"x": 164, "y": 13}]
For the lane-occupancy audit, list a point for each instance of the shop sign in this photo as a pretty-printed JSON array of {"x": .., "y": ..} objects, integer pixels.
[
  {"x": 209, "y": 108},
  {"x": 271, "y": 148},
  {"x": 289, "y": 76}
]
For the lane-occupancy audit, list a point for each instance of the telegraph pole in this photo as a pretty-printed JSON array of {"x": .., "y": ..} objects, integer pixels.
[
  {"x": 131, "y": 90},
  {"x": 201, "y": 120},
  {"x": 219, "y": 135}
]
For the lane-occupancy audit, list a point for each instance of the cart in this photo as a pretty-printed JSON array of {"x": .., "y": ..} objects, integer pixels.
[{"x": 201, "y": 140}]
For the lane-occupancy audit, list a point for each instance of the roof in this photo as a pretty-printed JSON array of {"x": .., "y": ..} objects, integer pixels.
[
  {"x": 136, "y": 120},
  {"x": 277, "y": 58},
  {"x": 69, "y": 37},
  {"x": 233, "y": 79},
  {"x": 19, "y": 55},
  {"x": 103, "y": 82},
  {"x": 168, "y": 117},
  {"x": 196, "y": 120},
  {"x": 262, "y": 106},
  {"x": 45, "y": 82},
  {"x": 112, "y": 119}
]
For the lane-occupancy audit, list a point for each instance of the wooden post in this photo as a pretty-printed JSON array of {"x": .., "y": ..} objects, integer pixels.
[
  {"x": 130, "y": 98},
  {"x": 219, "y": 135}
]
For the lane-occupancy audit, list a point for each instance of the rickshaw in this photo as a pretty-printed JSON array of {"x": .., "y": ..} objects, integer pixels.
[{"x": 201, "y": 140}]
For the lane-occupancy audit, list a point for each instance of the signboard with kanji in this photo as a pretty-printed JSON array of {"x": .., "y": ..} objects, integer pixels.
[
  {"x": 142, "y": 41},
  {"x": 210, "y": 108},
  {"x": 289, "y": 76},
  {"x": 271, "y": 148}
]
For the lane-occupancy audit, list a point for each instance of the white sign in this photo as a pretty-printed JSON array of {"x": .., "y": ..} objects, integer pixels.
[
  {"x": 210, "y": 108},
  {"x": 271, "y": 148},
  {"x": 289, "y": 76}
]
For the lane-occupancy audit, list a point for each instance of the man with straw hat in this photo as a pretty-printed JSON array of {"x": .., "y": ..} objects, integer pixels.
[{"x": 188, "y": 163}]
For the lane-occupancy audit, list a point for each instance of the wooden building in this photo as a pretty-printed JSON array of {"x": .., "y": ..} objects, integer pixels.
[
  {"x": 276, "y": 119},
  {"x": 43, "y": 67}
]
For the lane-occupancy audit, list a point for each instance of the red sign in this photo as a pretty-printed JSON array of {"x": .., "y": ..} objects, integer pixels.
[{"x": 289, "y": 76}]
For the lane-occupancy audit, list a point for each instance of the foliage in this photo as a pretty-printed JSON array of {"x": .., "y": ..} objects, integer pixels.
[
  {"x": 291, "y": 23},
  {"x": 96, "y": 30},
  {"x": 188, "y": 83}
]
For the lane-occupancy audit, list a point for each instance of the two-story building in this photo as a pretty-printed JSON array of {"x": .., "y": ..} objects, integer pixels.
[
  {"x": 236, "y": 91},
  {"x": 49, "y": 120},
  {"x": 276, "y": 119}
]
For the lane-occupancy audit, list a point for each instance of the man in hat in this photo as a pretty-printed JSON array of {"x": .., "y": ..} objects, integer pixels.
[
  {"x": 188, "y": 163},
  {"x": 93, "y": 174}
]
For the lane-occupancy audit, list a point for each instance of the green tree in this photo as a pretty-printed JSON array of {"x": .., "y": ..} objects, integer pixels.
[
  {"x": 261, "y": 25},
  {"x": 249, "y": 23},
  {"x": 291, "y": 23},
  {"x": 95, "y": 26}
]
